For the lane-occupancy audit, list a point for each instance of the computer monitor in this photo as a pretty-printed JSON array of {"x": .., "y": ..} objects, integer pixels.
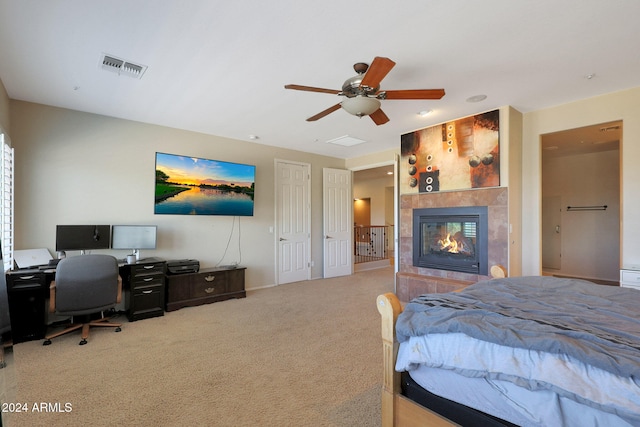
[
  {"x": 133, "y": 237},
  {"x": 82, "y": 237}
]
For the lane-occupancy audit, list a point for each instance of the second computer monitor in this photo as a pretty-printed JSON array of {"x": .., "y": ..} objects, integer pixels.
[{"x": 133, "y": 237}]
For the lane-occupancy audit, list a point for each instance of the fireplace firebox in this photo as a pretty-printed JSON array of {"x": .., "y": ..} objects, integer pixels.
[{"x": 453, "y": 239}]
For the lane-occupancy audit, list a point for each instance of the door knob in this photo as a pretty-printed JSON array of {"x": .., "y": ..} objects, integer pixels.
[{"x": 282, "y": 238}]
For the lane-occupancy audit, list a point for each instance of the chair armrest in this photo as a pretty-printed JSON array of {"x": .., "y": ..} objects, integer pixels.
[
  {"x": 52, "y": 297},
  {"x": 119, "y": 297}
]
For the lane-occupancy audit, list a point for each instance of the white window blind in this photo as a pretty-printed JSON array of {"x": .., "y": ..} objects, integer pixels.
[{"x": 6, "y": 202}]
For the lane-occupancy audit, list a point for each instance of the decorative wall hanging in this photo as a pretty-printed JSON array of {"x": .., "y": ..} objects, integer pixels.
[{"x": 457, "y": 155}]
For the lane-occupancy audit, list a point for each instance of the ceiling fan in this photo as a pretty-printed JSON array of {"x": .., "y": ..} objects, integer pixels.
[{"x": 363, "y": 93}]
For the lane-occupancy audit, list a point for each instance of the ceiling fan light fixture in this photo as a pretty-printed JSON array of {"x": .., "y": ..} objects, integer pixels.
[
  {"x": 360, "y": 105},
  {"x": 362, "y": 92}
]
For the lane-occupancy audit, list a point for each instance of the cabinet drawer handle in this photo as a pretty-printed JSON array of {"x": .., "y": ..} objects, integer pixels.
[
  {"x": 148, "y": 279},
  {"x": 209, "y": 290},
  {"x": 147, "y": 291},
  {"x": 209, "y": 278},
  {"x": 27, "y": 277},
  {"x": 148, "y": 267}
]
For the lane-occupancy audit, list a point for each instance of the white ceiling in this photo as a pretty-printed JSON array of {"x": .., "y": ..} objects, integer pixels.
[{"x": 219, "y": 67}]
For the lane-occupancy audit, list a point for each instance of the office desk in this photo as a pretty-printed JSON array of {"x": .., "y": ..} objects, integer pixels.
[{"x": 28, "y": 292}]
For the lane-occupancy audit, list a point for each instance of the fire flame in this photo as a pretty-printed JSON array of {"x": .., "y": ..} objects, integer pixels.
[{"x": 453, "y": 245}]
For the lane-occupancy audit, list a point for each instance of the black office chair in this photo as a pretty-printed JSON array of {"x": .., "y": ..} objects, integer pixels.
[{"x": 85, "y": 285}]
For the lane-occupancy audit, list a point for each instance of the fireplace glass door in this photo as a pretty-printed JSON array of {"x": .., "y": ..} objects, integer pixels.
[
  {"x": 451, "y": 242},
  {"x": 444, "y": 237}
]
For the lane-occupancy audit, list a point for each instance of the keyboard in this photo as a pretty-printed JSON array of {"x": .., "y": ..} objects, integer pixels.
[{"x": 51, "y": 266}]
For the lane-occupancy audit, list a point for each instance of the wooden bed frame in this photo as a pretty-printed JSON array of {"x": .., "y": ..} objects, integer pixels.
[{"x": 397, "y": 410}]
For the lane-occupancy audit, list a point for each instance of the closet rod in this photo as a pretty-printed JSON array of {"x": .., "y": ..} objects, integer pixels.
[{"x": 587, "y": 208}]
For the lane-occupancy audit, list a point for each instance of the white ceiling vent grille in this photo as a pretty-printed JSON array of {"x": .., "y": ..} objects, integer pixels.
[
  {"x": 346, "y": 141},
  {"x": 122, "y": 67}
]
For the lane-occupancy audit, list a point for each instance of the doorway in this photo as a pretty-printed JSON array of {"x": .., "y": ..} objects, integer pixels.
[
  {"x": 581, "y": 202},
  {"x": 375, "y": 210}
]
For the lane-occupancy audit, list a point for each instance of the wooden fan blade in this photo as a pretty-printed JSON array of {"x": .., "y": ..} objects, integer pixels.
[
  {"x": 378, "y": 69},
  {"x": 415, "y": 94},
  {"x": 379, "y": 117},
  {"x": 312, "y": 89},
  {"x": 324, "y": 113}
]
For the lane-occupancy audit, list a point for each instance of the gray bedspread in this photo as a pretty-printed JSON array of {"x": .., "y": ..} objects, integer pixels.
[{"x": 596, "y": 324}]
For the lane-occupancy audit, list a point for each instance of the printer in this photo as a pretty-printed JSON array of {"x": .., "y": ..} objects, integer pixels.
[{"x": 182, "y": 266}]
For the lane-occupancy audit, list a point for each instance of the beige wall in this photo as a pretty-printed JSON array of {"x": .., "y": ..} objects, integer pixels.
[
  {"x": 373, "y": 160},
  {"x": 623, "y": 106},
  {"x": 376, "y": 191},
  {"x": 4, "y": 109},
  {"x": 81, "y": 168},
  {"x": 511, "y": 128}
]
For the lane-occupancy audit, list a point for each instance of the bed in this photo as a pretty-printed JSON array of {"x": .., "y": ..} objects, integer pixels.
[{"x": 526, "y": 351}]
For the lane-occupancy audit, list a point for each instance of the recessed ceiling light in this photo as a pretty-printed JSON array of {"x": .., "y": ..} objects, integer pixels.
[
  {"x": 254, "y": 137},
  {"x": 476, "y": 98},
  {"x": 390, "y": 173},
  {"x": 425, "y": 113}
]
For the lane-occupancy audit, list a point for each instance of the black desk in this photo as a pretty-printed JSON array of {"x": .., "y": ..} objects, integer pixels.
[{"x": 28, "y": 292}]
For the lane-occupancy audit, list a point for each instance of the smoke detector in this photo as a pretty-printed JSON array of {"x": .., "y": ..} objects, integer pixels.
[{"x": 122, "y": 67}]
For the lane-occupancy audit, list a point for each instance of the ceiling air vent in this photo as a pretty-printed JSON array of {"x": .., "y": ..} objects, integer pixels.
[
  {"x": 122, "y": 67},
  {"x": 346, "y": 140}
]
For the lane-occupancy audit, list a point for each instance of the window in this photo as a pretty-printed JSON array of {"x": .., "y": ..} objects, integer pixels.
[{"x": 6, "y": 201}]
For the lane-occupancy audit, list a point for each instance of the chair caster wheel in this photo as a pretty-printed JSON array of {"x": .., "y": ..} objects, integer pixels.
[
  {"x": 46, "y": 342},
  {"x": 118, "y": 329},
  {"x": 83, "y": 342}
]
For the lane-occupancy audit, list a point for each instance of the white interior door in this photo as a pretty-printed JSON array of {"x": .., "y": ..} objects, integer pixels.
[
  {"x": 338, "y": 222},
  {"x": 293, "y": 216}
]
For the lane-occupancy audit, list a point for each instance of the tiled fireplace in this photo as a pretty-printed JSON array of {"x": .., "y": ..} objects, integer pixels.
[
  {"x": 453, "y": 239},
  {"x": 486, "y": 238}
]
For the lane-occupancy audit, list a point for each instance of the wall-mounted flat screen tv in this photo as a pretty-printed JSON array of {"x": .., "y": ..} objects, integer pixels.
[
  {"x": 195, "y": 186},
  {"x": 82, "y": 237}
]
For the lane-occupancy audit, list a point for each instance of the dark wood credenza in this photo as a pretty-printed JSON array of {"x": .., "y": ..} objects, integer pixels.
[{"x": 206, "y": 286}]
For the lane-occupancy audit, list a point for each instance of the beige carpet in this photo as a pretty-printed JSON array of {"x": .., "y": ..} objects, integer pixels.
[{"x": 302, "y": 354}]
